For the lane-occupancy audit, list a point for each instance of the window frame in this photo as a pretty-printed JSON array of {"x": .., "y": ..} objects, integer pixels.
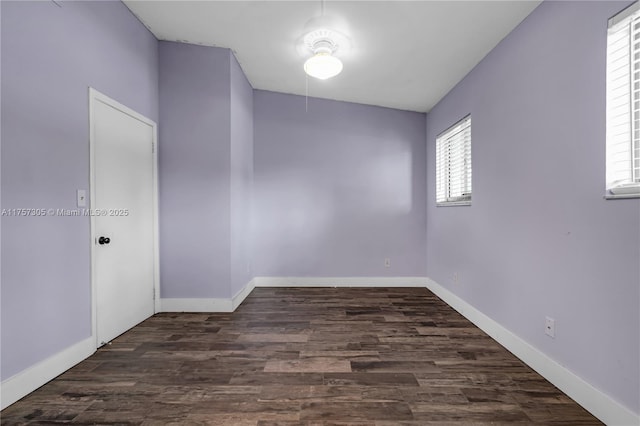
[
  {"x": 463, "y": 155},
  {"x": 621, "y": 145}
]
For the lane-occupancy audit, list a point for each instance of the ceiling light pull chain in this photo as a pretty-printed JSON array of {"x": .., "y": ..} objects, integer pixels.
[{"x": 306, "y": 93}]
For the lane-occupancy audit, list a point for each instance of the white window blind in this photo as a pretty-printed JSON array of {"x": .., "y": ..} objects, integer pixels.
[
  {"x": 453, "y": 164},
  {"x": 623, "y": 102}
]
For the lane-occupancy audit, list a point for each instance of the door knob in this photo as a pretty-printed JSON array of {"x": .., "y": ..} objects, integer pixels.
[{"x": 104, "y": 240}]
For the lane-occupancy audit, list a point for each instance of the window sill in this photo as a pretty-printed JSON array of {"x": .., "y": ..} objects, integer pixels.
[
  {"x": 621, "y": 196},
  {"x": 454, "y": 203}
]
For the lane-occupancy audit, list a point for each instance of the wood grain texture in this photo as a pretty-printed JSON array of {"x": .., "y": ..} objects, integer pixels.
[{"x": 304, "y": 356}]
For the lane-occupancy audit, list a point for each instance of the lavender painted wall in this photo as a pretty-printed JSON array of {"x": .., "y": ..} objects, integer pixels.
[
  {"x": 241, "y": 176},
  {"x": 539, "y": 239},
  {"x": 50, "y": 56},
  {"x": 194, "y": 171},
  {"x": 338, "y": 188}
]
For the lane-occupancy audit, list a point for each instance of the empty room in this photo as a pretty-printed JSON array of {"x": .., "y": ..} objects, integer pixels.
[{"x": 320, "y": 212}]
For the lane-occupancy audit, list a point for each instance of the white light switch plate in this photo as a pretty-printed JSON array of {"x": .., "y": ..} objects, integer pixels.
[{"x": 82, "y": 198}]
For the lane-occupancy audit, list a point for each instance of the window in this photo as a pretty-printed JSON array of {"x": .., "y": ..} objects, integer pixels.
[
  {"x": 623, "y": 103},
  {"x": 453, "y": 164}
]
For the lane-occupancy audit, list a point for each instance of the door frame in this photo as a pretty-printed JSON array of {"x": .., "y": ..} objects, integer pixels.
[{"x": 94, "y": 97}]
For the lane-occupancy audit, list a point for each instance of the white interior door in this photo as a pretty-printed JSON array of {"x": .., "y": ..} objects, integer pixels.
[{"x": 123, "y": 208}]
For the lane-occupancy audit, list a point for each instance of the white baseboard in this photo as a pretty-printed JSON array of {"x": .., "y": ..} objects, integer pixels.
[
  {"x": 207, "y": 305},
  {"x": 242, "y": 294},
  {"x": 340, "y": 281},
  {"x": 595, "y": 401},
  {"x": 26, "y": 381}
]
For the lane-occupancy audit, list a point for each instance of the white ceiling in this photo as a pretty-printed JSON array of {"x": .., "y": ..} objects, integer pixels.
[{"x": 404, "y": 54}]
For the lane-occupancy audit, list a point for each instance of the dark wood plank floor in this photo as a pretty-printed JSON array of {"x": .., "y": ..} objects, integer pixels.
[{"x": 304, "y": 357}]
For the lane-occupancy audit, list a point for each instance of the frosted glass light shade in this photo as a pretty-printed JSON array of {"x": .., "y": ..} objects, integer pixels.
[{"x": 323, "y": 65}]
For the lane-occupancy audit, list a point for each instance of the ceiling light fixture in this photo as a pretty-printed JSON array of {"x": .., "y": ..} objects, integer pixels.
[
  {"x": 323, "y": 43},
  {"x": 323, "y": 40}
]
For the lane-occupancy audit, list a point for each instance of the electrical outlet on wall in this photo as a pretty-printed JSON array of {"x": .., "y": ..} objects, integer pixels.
[
  {"x": 455, "y": 277},
  {"x": 387, "y": 262},
  {"x": 550, "y": 327}
]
